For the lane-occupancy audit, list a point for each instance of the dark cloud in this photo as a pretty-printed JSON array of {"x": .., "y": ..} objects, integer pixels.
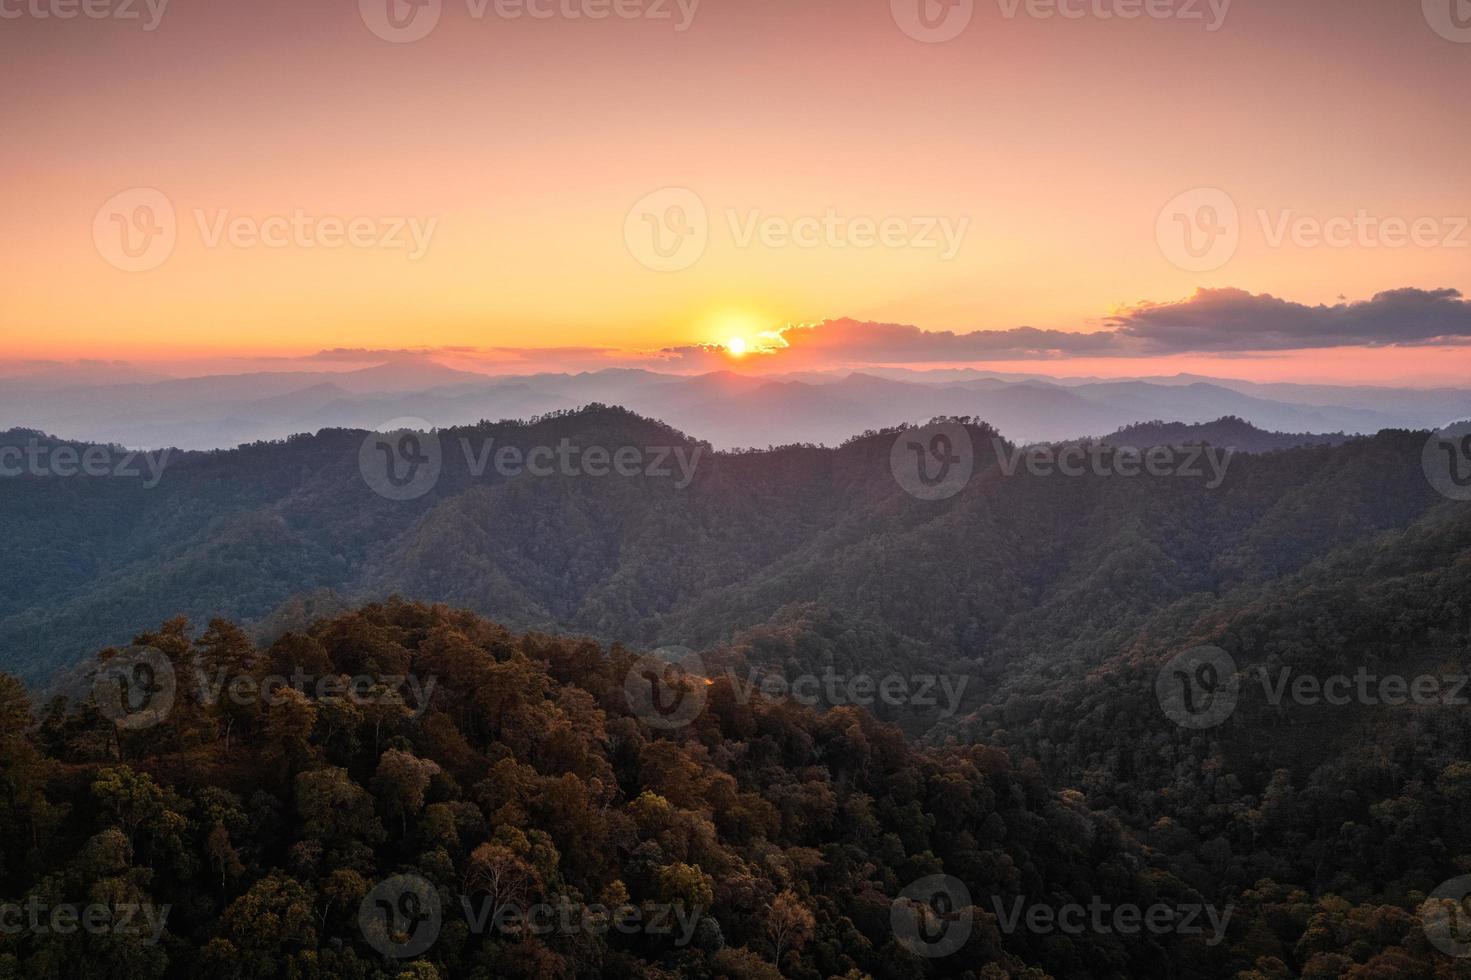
[
  {"x": 376, "y": 355},
  {"x": 1223, "y": 322},
  {"x": 1213, "y": 321},
  {"x": 1234, "y": 320},
  {"x": 573, "y": 352},
  {"x": 895, "y": 343},
  {"x": 696, "y": 357}
]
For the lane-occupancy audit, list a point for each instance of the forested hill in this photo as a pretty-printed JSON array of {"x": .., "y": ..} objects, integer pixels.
[
  {"x": 407, "y": 791},
  {"x": 793, "y": 554},
  {"x": 1228, "y": 431},
  {"x": 1037, "y": 625}
]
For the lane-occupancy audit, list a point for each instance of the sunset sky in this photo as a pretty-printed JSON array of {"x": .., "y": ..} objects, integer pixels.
[{"x": 531, "y": 154}]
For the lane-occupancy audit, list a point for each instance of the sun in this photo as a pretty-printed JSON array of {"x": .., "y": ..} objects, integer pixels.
[{"x": 736, "y": 347}]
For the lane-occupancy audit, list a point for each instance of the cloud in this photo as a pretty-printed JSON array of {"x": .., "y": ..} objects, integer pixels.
[
  {"x": 368, "y": 354},
  {"x": 898, "y": 343},
  {"x": 1221, "y": 320},
  {"x": 1212, "y": 321},
  {"x": 696, "y": 357}
]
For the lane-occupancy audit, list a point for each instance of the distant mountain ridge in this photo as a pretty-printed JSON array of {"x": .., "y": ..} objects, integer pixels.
[{"x": 727, "y": 408}]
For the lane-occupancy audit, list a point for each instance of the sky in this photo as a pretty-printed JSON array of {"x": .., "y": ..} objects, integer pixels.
[{"x": 1252, "y": 189}]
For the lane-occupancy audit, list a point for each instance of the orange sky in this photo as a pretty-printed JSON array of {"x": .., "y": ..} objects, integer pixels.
[{"x": 524, "y": 144}]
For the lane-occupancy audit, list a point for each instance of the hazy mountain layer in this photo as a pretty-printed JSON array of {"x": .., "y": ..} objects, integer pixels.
[{"x": 728, "y": 410}]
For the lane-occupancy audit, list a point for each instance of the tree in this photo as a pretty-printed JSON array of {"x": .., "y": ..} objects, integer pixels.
[
  {"x": 276, "y": 910},
  {"x": 336, "y": 810},
  {"x": 401, "y": 781},
  {"x": 789, "y": 923},
  {"x": 507, "y": 880},
  {"x": 289, "y": 719},
  {"x": 222, "y": 855}
]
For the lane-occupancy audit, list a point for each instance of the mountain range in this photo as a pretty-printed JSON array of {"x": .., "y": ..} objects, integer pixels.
[
  {"x": 727, "y": 409},
  {"x": 1043, "y": 611},
  {"x": 761, "y": 547},
  {"x": 1035, "y": 616}
]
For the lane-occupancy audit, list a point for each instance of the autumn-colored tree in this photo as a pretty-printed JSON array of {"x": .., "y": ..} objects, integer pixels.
[
  {"x": 336, "y": 810},
  {"x": 401, "y": 781},
  {"x": 789, "y": 923},
  {"x": 275, "y": 912},
  {"x": 506, "y": 879}
]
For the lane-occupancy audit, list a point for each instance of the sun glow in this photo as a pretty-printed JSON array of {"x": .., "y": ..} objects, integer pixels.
[{"x": 736, "y": 347}]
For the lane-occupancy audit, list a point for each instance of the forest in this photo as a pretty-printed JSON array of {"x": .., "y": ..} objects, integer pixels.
[
  {"x": 300, "y": 774},
  {"x": 512, "y": 814},
  {"x": 758, "y": 543}
]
